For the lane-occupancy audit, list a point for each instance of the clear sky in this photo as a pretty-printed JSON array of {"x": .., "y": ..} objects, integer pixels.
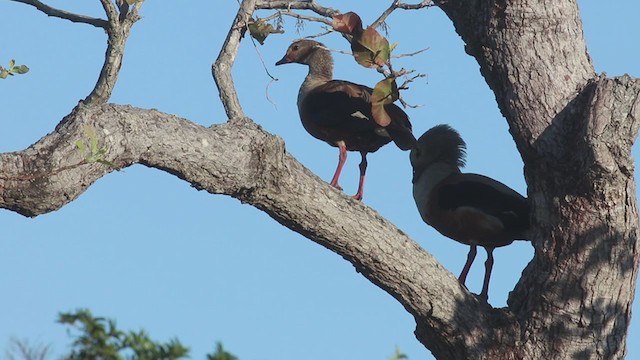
[{"x": 145, "y": 248}]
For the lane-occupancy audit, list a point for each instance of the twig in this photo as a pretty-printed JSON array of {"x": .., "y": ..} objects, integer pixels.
[
  {"x": 396, "y": 4},
  {"x": 296, "y": 5},
  {"x": 50, "y": 11},
  {"x": 305, "y": 17},
  {"x": 409, "y": 54},
  {"x": 326, "y": 32}
]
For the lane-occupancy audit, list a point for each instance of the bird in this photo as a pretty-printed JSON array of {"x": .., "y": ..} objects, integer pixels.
[
  {"x": 338, "y": 112},
  {"x": 469, "y": 208}
]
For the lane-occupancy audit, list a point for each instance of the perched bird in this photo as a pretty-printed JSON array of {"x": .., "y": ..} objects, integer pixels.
[
  {"x": 469, "y": 208},
  {"x": 339, "y": 112}
]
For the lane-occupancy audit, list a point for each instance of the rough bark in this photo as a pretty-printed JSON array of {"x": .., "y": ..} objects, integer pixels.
[
  {"x": 575, "y": 131},
  {"x": 573, "y": 128}
]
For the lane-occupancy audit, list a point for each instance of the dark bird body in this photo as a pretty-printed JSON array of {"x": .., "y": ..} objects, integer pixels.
[
  {"x": 469, "y": 208},
  {"x": 338, "y": 112}
]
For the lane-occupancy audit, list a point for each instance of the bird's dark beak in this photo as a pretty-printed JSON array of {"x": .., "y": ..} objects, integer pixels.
[{"x": 284, "y": 60}]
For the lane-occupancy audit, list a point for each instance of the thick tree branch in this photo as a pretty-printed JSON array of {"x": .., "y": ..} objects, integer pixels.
[
  {"x": 50, "y": 11},
  {"x": 241, "y": 160}
]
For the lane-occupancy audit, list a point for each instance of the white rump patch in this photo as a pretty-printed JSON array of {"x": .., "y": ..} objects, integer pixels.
[{"x": 359, "y": 115}]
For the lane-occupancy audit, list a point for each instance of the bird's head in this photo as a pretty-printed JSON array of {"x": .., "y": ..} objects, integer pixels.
[
  {"x": 440, "y": 144},
  {"x": 302, "y": 52}
]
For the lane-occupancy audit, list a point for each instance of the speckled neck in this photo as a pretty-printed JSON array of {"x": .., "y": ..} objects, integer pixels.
[{"x": 320, "y": 71}]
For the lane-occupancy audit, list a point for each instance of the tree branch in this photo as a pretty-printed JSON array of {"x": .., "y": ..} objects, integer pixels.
[
  {"x": 221, "y": 68},
  {"x": 118, "y": 30},
  {"x": 241, "y": 160},
  {"x": 399, "y": 5},
  {"x": 50, "y": 11},
  {"x": 296, "y": 5}
]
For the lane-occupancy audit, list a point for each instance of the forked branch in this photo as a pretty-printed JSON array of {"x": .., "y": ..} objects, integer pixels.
[{"x": 118, "y": 32}]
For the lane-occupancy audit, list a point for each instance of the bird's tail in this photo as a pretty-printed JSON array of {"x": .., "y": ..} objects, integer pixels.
[
  {"x": 400, "y": 128},
  {"x": 402, "y": 137}
]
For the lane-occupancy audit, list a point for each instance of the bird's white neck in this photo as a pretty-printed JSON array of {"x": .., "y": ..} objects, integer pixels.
[{"x": 427, "y": 180}]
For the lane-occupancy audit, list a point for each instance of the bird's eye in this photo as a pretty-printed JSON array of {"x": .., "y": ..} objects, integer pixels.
[{"x": 294, "y": 48}]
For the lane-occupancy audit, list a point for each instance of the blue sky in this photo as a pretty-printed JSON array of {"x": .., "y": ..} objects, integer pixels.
[{"x": 145, "y": 248}]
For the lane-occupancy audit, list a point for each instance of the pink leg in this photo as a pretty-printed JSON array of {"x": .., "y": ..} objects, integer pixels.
[
  {"x": 341, "y": 160},
  {"x": 465, "y": 270},
  {"x": 363, "y": 169},
  {"x": 488, "y": 266}
]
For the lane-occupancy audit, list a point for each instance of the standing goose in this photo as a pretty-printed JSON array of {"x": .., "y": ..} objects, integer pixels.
[
  {"x": 469, "y": 208},
  {"x": 339, "y": 112}
]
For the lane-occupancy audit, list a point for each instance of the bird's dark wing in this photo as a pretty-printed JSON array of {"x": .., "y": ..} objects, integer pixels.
[
  {"x": 347, "y": 106},
  {"x": 340, "y": 104},
  {"x": 489, "y": 196}
]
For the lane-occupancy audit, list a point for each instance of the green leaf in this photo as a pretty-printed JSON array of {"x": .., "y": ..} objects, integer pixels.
[
  {"x": 259, "y": 30},
  {"x": 3, "y": 74},
  {"x": 371, "y": 49},
  {"x": 349, "y": 23},
  {"x": 81, "y": 147},
  {"x": 385, "y": 92},
  {"x": 12, "y": 63},
  {"x": 22, "y": 69}
]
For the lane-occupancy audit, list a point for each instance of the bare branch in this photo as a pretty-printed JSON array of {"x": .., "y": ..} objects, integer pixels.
[
  {"x": 296, "y": 5},
  {"x": 409, "y": 54},
  {"x": 221, "y": 68},
  {"x": 111, "y": 11},
  {"x": 118, "y": 32},
  {"x": 50, "y": 11},
  {"x": 399, "y": 5},
  {"x": 305, "y": 17}
]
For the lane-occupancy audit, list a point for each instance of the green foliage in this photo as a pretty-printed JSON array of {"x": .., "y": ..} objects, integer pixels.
[
  {"x": 260, "y": 29},
  {"x": 385, "y": 92},
  {"x": 398, "y": 355},
  {"x": 99, "y": 339},
  {"x": 12, "y": 69},
  {"x": 221, "y": 354},
  {"x": 90, "y": 150}
]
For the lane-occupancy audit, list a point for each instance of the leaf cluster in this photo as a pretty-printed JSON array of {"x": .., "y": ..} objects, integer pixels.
[
  {"x": 99, "y": 338},
  {"x": 12, "y": 69},
  {"x": 372, "y": 50}
]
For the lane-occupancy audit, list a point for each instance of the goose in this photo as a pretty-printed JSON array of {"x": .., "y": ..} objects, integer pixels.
[
  {"x": 338, "y": 112},
  {"x": 469, "y": 208}
]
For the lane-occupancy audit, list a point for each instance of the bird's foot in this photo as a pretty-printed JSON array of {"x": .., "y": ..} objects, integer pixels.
[{"x": 358, "y": 196}]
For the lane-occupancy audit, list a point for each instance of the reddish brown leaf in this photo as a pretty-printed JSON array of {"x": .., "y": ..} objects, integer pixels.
[
  {"x": 349, "y": 23},
  {"x": 380, "y": 115}
]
